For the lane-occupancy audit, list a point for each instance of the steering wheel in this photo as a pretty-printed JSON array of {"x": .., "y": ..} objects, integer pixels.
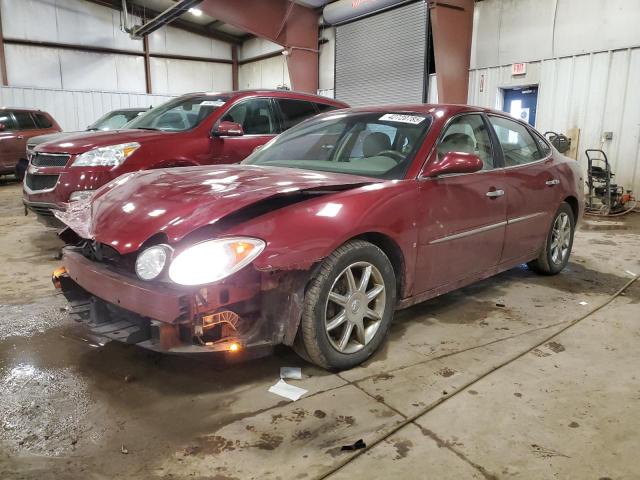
[{"x": 393, "y": 154}]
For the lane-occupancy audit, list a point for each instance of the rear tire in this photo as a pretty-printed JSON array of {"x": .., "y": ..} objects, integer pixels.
[
  {"x": 557, "y": 247},
  {"x": 348, "y": 307}
]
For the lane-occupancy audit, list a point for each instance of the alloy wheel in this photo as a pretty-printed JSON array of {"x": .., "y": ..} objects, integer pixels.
[
  {"x": 355, "y": 307},
  {"x": 560, "y": 238}
]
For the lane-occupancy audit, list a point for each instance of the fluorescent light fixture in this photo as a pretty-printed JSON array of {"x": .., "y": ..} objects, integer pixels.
[{"x": 196, "y": 12}]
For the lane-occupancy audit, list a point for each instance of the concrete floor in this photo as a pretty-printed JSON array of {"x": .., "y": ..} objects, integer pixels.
[{"x": 569, "y": 408}]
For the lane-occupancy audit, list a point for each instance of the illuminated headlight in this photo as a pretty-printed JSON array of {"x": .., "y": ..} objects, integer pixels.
[
  {"x": 81, "y": 195},
  {"x": 151, "y": 262},
  {"x": 214, "y": 260},
  {"x": 110, "y": 156}
]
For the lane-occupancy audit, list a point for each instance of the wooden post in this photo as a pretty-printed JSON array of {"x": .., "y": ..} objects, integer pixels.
[
  {"x": 234, "y": 67},
  {"x": 147, "y": 64},
  {"x": 3, "y": 61}
]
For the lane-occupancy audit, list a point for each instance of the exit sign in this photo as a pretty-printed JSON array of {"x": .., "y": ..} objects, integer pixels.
[{"x": 519, "y": 69}]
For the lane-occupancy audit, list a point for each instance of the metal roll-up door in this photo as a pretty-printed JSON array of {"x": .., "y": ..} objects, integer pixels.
[{"x": 381, "y": 59}]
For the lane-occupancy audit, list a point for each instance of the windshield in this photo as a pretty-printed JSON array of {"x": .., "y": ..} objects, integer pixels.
[
  {"x": 115, "y": 120},
  {"x": 181, "y": 114},
  {"x": 380, "y": 145}
]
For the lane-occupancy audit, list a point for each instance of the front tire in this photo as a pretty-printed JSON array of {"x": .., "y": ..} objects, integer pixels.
[
  {"x": 348, "y": 307},
  {"x": 557, "y": 248}
]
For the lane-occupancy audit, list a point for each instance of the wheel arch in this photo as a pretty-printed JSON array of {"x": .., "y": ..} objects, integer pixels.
[
  {"x": 393, "y": 251},
  {"x": 575, "y": 206}
]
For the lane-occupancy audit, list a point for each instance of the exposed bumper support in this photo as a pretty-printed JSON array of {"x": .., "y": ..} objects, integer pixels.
[{"x": 159, "y": 302}]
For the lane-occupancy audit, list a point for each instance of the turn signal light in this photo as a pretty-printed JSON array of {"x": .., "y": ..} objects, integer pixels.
[
  {"x": 55, "y": 276},
  {"x": 234, "y": 347}
]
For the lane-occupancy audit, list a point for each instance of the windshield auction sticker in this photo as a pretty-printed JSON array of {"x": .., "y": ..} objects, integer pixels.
[{"x": 397, "y": 117}]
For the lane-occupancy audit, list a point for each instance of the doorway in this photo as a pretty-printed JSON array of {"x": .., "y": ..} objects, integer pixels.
[{"x": 521, "y": 102}]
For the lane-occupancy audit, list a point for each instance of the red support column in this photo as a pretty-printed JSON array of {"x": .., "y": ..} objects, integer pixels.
[
  {"x": 234, "y": 67},
  {"x": 451, "y": 26},
  {"x": 289, "y": 24}
]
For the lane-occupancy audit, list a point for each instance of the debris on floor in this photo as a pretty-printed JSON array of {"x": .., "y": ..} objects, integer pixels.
[
  {"x": 283, "y": 389},
  {"x": 359, "y": 444}
]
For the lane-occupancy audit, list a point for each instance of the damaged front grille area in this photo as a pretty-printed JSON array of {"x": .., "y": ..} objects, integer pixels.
[{"x": 102, "y": 253}]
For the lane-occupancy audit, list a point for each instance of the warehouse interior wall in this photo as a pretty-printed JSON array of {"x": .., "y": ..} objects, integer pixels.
[
  {"x": 262, "y": 65},
  {"x": 66, "y": 21},
  {"x": 584, "y": 56}
]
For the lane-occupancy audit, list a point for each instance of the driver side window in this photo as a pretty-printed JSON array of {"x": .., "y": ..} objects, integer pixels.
[
  {"x": 467, "y": 134},
  {"x": 255, "y": 116}
]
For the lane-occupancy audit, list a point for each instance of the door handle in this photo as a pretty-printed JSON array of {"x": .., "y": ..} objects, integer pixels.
[
  {"x": 495, "y": 193},
  {"x": 20, "y": 137},
  {"x": 551, "y": 183}
]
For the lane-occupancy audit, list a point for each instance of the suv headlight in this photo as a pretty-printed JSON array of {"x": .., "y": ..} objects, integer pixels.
[
  {"x": 214, "y": 260},
  {"x": 81, "y": 195},
  {"x": 110, "y": 156}
]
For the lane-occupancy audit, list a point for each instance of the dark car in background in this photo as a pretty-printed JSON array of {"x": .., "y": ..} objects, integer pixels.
[
  {"x": 112, "y": 120},
  {"x": 194, "y": 129},
  {"x": 17, "y": 127}
]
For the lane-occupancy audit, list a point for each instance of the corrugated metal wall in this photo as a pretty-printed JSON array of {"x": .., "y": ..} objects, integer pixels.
[
  {"x": 73, "y": 21},
  {"x": 585, "y": 58},
  {"x": 75, "y": 110},
  {"x": 595, "y": 93}
]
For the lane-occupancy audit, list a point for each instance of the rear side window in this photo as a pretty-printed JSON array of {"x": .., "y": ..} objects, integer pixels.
[
  {"x": 295, "y": 111},
  {"x": 323, "y": 107},
  {"x": 25, "y": 120},
  {"x": 7, "y": 120},
  {"x": 42, "y": 121},
  {"x": 518, "y": 145}
]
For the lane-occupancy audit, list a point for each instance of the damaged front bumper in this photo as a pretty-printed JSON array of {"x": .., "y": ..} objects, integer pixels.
[{"x": 250, "y": 313}]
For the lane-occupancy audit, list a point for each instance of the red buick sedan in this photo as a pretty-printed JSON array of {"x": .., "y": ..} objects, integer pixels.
[{"x": 317, "y": 238}]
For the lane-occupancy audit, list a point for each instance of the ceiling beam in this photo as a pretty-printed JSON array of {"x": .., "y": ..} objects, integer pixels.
[{"x": 178, "y": 23}]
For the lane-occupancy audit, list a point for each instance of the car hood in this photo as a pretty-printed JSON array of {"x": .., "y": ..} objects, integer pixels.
[
  {"x": 33, "y": 141},
  {"x": 177, "y": 201},
  {"x": 81, "y": 142}
]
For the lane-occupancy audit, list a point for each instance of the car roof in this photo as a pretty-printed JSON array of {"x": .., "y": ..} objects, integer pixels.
[
  {"x": 273, "y": 93},
  {"x": 431, "y": 108},
  {"x": 21, "y": 109},
  {"x": 131, "y": 109}
]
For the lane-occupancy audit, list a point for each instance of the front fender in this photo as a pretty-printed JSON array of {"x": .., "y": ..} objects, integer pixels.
[{"x": 301, "y": 235}]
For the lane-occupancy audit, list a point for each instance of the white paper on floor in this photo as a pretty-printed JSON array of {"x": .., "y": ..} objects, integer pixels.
[
  {"x": 295, "y": 373},
  {"x": 630, "y": 273},
  {"x": 283, "y": 389},
  {"x": 583, "y": 303}
]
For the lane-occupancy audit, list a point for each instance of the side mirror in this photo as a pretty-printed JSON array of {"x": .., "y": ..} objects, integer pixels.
[
  {"x": 454, "y": 162},
  {"x": 227, "y": 129}
]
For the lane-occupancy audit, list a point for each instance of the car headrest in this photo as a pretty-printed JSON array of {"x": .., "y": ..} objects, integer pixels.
[
  {"x": 374, "y": 143},
  {"x": 457, "y": 142},
  {"x": 257, "y": 124}
]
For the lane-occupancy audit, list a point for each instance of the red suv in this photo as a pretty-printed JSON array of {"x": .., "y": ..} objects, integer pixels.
[
  {"x": 17, "y": 125},
  {"x": 194, "y": 129}
]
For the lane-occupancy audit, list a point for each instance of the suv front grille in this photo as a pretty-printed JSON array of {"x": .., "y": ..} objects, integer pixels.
[
  {"x": 49, "y": 160},
  {"x": 40, "y": 182}
]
